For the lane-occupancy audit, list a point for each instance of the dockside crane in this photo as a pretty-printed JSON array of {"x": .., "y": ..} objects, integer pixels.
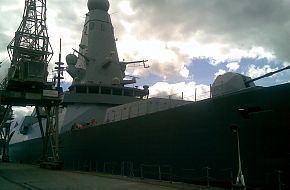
[
  {"x": 30, "y": 50},
  {"x": 26, "y": 83}
]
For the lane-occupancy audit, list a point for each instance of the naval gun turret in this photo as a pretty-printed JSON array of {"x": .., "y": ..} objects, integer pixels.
[{"x": 232, "y": 82}]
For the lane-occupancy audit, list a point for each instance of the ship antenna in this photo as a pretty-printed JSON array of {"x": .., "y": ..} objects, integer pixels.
[{"x": 59, "y": 69}]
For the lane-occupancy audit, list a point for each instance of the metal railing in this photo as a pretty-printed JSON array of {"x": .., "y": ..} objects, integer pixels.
[
  {"x": 197, "y": 96},
  {"x": 168, "y": 173},
  {"x": 200, "y": 176}
]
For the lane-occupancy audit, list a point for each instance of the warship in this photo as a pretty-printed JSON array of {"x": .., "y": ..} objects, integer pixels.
[{"x": 240, "y": 135}]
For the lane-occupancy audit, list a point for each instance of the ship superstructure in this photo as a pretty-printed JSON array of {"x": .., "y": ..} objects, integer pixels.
[{"x": 98, "y": 75}]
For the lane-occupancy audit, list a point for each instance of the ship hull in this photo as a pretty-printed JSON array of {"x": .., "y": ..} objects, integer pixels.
[{"x": 187, "y": 140}]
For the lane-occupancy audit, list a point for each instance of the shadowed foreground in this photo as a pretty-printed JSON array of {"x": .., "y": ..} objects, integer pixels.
[{"x": 19, "y": 176}]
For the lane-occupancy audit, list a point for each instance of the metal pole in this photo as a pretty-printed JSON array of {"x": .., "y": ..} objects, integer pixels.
[
  {"x": 159, "y": 172},
  {"x": 41, "y": 131},
  {"x": 207, "y": 176},
  {"x": 231, "y": 176},
  {"x": 122, "y": 168},
  {"x": 210, "y": 92},
  {"x": 279, "y": 180},
  {"x": 240, "y": 177},
  {"x": 59, "y": 64},
  {"x": 56, "y": 133},
  {"x": 141, "y": 171},
  {"x": 131, "y": 169},
  {"x": 170, "y": 174},
  {"x": 56, "y": 137}
]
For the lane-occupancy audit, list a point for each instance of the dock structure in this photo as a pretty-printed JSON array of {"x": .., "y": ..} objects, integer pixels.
[
  {"x": 21, "y": 176},
  {"x": 27, "y": 81}
]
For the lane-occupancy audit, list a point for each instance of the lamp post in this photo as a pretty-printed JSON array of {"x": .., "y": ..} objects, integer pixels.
[{"x": 240, "y": 177}]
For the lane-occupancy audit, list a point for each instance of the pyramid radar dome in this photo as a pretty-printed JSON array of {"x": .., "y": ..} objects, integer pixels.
[{"x": 98, "y": 4}]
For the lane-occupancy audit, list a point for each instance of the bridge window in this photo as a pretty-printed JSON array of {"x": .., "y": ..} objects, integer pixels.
[
  {"x": 128, "y": 92},
  {"x": 81, "y": 89},
  {"x": 94, "y": 89},
  {"x": 117, "y": 92},
  {"x": 106, "y": 90}
]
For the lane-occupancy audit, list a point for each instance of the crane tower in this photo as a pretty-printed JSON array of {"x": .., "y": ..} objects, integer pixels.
[
  {"x": 30, "y": 50},
  {"x": 26, "y": 83}
]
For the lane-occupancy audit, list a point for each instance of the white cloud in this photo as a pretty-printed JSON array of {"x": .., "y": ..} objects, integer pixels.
[
  {"x": 255, "y": 71},
  {"x": 125, "y": 7},
  {"x": 220, "y": 72},
  {"x": 240, "y": 25},
  {"x": 184, "y": 72},
  {"x": 175, "y": 91},
  {"x": 233, "y": 66},
  {"x": 164, "y": 59}
]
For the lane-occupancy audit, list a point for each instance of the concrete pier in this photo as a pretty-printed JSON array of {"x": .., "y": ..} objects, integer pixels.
[{"x": 21, "y": 176}]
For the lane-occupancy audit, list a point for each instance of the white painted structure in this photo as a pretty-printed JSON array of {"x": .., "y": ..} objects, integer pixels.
[
  {"x": 140, "y": 108},
  {"x": 230, "y": 82}
]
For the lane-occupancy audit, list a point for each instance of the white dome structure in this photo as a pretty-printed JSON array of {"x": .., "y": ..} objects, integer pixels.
[
  {"x": 98, "y": 4},
  {"x": 230, "y": 82}
]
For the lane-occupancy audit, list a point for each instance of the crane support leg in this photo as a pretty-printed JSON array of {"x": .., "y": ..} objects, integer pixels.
[
  {"x": 5, "y": 134},
  {"x": 51, "y": 140}
]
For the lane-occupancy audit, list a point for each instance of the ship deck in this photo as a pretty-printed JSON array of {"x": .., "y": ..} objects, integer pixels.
[{"x": 21, "y": 176}]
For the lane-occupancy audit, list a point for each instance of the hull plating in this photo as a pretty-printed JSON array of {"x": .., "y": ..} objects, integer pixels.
[{"x": 193, "y": 136}]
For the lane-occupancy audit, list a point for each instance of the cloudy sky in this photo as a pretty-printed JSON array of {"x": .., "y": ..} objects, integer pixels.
[{"x": 187, "y": 42}]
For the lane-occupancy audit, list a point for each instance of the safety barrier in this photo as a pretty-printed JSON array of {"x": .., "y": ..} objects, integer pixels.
[
  {"x": 147, "y": 171},
  {"x": 201, "y": 176}
]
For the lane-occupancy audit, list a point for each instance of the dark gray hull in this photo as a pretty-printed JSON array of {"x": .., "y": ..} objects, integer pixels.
[{"x": 193, "y": 136}]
